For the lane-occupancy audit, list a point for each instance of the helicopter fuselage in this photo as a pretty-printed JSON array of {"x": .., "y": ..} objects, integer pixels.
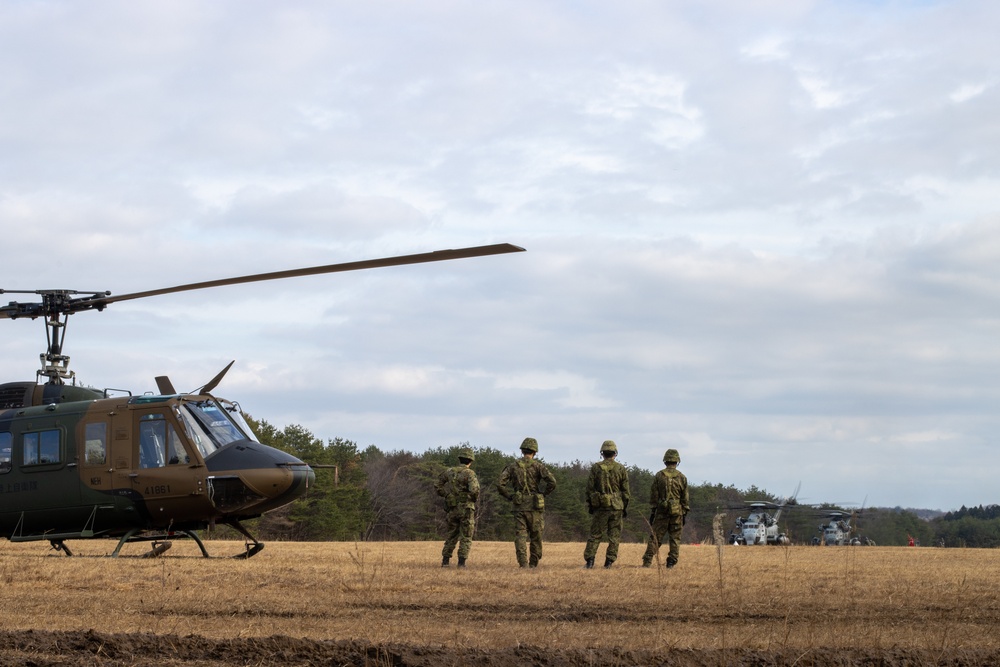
[
  {"x": 82, "y": 465},
  {"x": 836, "y": 532},
  {"x": 758, "y": 528}
]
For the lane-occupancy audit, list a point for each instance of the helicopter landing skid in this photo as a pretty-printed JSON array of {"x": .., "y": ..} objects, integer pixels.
[
  {"x": 159, "y": 540},
  {"x": 59, "y": 545},
  {"x": 252, "y": 546}
]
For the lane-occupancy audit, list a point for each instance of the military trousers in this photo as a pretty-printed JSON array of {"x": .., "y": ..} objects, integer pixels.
[
  {"x": 528, "y": 528},
  {"x": 461, "y": 529},
  {"x": 666, "y": 529},
  {"x": 604, "y": 522}
]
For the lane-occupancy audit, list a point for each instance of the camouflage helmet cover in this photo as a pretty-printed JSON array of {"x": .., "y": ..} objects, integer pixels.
[
  {"x": 672, "y": 456},
  {"x": 466, "y": 453},
  {"x": 609, "y": 446},
  {"x": 529, "y": 445}
]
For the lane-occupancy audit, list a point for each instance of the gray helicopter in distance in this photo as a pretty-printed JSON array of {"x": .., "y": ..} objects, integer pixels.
[
  {"x": 836, "y": 531},
  {"x": 761, "y": 526}
]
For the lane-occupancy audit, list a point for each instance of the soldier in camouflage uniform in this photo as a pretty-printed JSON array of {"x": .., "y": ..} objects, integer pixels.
[
  {"x": 459, "y": 487},
  {"x": 607, "y": 501},
  {"x": 525, "y": 483},
  {"x": 669, "y": 505}
]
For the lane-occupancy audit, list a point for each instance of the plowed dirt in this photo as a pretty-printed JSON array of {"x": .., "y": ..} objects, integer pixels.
[{"x": 90, "y": 648}]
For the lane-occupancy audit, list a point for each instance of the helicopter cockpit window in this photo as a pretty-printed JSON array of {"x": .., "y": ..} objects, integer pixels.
[
  {"x": 237, "y": 416},
  {"x": 5, "y": 442},
  {"x": 210, "y": 426},
  {"x": 159, "y": 443},
  {"x": 40, "y": 447},
  {"x": 95, "y": 438}
]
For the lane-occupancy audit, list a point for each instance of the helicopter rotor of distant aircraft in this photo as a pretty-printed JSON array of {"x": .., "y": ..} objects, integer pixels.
[{"x": 79, "y": 463}]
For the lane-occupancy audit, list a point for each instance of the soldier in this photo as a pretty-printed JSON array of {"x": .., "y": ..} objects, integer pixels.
[
  {"x": 669, "y": 505},
  {"x": 459, "y": 487},
  {"x": 607, "y": 501},
  {"x": 525, "y": 483}
]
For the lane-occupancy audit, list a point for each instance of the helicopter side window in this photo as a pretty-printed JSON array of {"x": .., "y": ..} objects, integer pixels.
[
  {"x": 40, "y": 447},
  {"x": 159, "y": 443},
  {"x": 95, "y": 448},
  {"x": 151, "y": 438},
  {"x": 176, "y": 452},
  {"x": 5, "y": 445}
]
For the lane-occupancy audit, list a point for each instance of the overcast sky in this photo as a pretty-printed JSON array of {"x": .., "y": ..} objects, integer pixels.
[{"x": 764, "y": 233}]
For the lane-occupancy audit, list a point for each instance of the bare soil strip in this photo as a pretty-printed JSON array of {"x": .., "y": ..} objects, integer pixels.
[{"x": 94, "y": 648}]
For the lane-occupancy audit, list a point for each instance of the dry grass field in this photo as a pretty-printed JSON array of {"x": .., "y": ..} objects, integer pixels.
[{"x": 392, "y": 604}]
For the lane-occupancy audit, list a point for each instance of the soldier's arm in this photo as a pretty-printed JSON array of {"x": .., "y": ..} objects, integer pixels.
[
  {"x": 503, "y": 483},
  {"x": 550, "y": 481},
  {"x": 473, "y": 485},
  {"x": 440, "y": 483},
  {"x": 625, "y": 491},
  {"x": 592, "y": 480}
]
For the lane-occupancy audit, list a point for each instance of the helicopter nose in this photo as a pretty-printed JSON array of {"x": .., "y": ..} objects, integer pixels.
[{"x": 248, "y": 478}]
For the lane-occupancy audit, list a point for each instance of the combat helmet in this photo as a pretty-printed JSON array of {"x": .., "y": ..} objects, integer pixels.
[
  {"x": 672, "y": 456},
  {"x": 609, "y": 446},
  {"x": 529, "y": 445},
  {"x": 466, "y": 454}
]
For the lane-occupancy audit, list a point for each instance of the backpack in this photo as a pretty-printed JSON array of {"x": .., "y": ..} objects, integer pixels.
[
  {"x": 671, "y": 500},
  {"x": 446, "y": 488},
  {"x": 604, "y": 495}
]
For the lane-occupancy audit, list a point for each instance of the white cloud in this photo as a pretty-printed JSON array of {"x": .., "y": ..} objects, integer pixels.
[
  {"x": 967, "y": 92},
  {"x": 766, "y": 235}
]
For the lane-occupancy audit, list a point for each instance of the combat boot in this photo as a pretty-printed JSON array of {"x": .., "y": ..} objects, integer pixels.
[
  {"x": 671, "y": 563},
  {"x": 608, "y": 563},
  {"x": 445, "y": 560},
  {"x": 461, "y": 562},
  {"x": 589, "y": 564}
]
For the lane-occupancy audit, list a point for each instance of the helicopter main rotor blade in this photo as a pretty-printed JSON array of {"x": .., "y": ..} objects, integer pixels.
[
  {"x": 214, "y": 382},
  {"x": 99, "y": 302}
]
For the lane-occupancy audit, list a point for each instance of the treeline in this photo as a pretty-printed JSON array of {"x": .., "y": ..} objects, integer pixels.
[
  {"x": 970, "y": 527},
  {"x": 366, "y": 494}
]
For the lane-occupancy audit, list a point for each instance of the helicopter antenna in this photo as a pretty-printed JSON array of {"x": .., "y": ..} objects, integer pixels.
[{"x": 57, "y": 305}]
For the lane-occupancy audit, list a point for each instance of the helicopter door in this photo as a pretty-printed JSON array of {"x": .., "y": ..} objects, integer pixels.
[
  {"x": 98, "y": 467},
  {"x": 42, "y": 481},
  {"x": 169, "y": 482}
]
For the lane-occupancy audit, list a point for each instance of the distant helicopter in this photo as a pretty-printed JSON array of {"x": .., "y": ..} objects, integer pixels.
[
  {"x": 79, "y": 463},
  {"x": 836, "y": 532},
  {"x": 760, "y": 527}
]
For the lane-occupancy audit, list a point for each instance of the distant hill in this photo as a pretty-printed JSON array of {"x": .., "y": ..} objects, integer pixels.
[{"x": 924, "y": 514}]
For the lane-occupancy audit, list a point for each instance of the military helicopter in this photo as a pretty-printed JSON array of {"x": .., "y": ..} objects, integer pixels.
[
  {"x": 760, "y": 527},
  {"x": 80, "y": 463},
  {"x": 837, "y": 531}
]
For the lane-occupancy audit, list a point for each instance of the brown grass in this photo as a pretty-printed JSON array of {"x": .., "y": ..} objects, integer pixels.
[{"x": 806, "y": 599}]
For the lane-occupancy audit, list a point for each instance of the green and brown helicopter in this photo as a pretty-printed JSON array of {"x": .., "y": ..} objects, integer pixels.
[{"x": 79, "y": 463}]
